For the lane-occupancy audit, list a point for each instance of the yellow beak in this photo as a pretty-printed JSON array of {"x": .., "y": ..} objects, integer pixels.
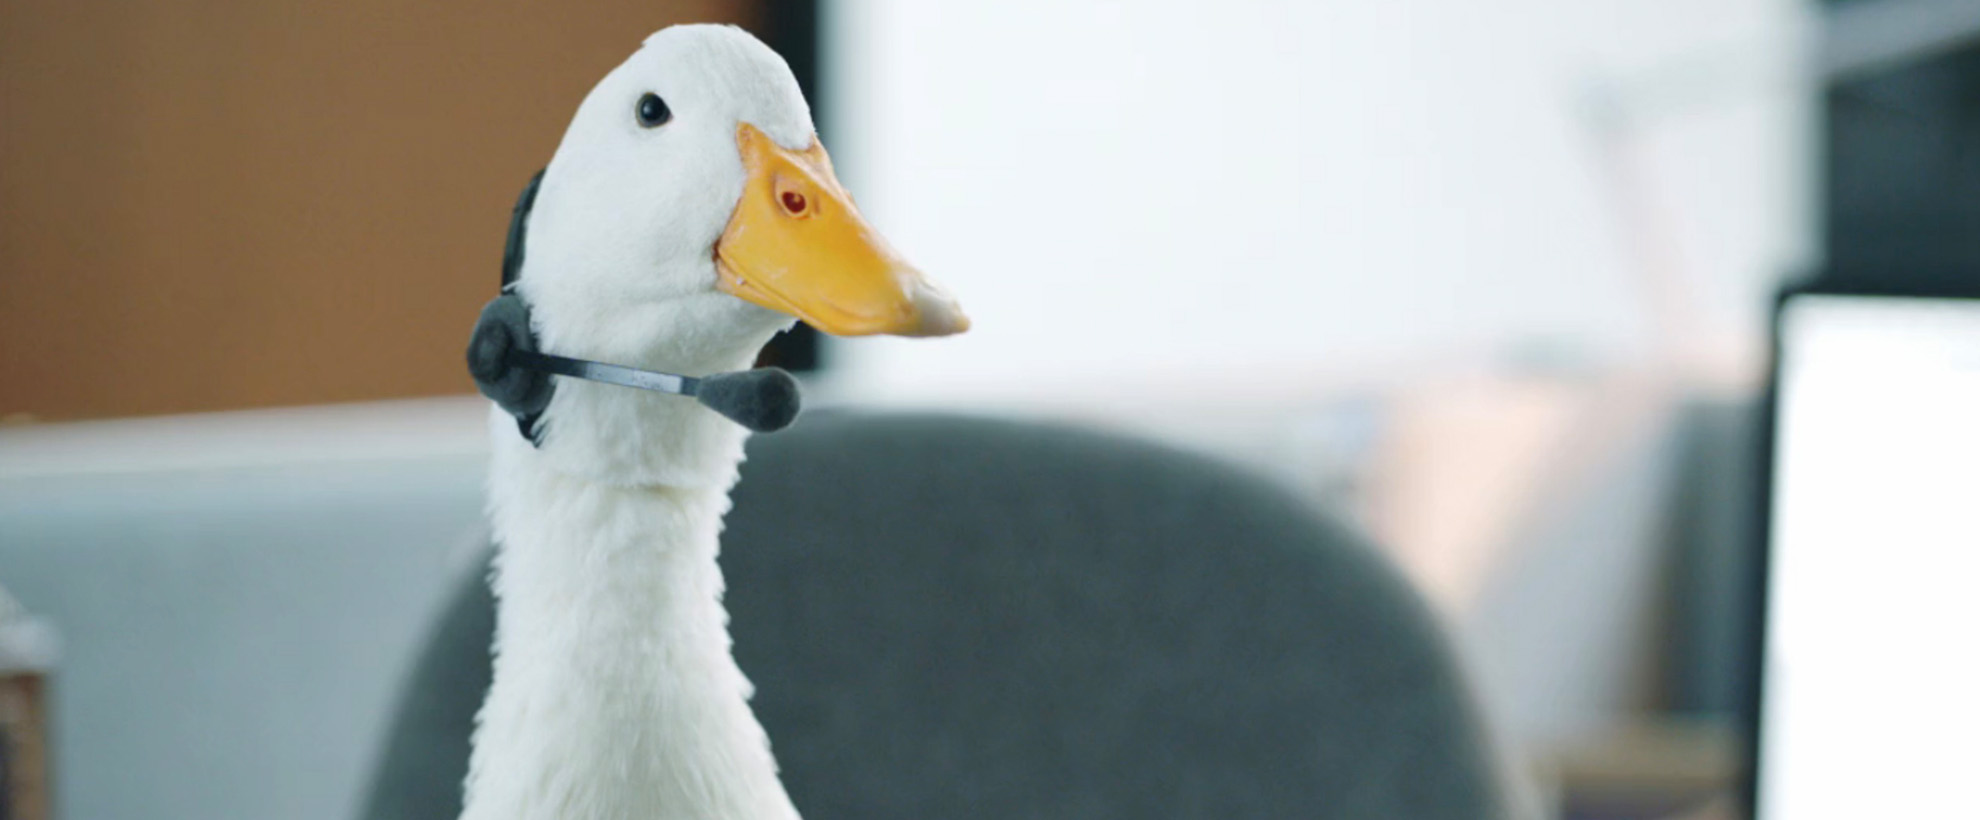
[{"x": 797, "y": 245}]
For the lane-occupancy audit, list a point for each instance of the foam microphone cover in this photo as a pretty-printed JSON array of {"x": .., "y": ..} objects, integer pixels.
[
  {"x": 504, "y": 327},
  {"x": 765, "y": 399}
]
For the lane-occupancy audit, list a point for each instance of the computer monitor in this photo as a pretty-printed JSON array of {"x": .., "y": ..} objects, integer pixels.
[{"x": 1869, "y": 684}]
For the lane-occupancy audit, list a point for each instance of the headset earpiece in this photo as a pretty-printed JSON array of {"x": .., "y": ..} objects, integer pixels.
[
  {"x": 504, "y": 327},
  {"x": 512, "y": 248}
]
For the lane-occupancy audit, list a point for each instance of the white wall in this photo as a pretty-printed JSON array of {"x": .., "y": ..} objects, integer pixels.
[{"x": 1127, "y": 191}]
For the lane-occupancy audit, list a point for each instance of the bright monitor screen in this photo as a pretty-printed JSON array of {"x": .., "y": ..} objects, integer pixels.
[{"x": 1871, "y": 704}]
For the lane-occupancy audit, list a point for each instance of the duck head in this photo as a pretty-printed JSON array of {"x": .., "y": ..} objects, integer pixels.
[{"x": 689, "y": 214}]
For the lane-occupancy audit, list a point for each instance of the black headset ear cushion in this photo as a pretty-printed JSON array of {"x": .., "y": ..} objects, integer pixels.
[{"x": 504, "y": 326}]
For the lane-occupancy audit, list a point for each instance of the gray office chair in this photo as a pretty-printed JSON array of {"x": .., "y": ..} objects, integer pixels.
[{"x": 956, "y": 618}]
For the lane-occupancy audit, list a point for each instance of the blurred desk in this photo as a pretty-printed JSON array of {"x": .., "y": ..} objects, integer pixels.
[{"x": 1656, "y": 768}]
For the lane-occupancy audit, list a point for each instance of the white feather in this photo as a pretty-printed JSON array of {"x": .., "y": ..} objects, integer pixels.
[{"x": 615, "y": 694}]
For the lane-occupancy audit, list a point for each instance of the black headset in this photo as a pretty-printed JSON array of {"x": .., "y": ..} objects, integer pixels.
[{"x": 509, "y": 368}]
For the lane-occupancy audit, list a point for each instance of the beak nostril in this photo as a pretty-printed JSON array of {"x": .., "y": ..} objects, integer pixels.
[{"x": 794, "y": 202}]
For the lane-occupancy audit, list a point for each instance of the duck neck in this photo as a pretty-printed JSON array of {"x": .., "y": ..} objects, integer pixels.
[{"x": 614, "y": 693}]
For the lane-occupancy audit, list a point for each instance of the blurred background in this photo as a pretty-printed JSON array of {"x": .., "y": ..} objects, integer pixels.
[{"x": 1489, "y": 281}]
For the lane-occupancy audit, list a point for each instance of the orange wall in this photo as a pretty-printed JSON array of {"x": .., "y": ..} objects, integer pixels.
[{"x": 215, "y": 204}]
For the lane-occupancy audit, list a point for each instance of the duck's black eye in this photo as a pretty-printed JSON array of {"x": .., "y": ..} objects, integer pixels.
[{"x": 652, "y": 111}]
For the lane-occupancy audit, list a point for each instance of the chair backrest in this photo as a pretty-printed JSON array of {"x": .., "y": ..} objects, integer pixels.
[{"x": 958, "y": 618}]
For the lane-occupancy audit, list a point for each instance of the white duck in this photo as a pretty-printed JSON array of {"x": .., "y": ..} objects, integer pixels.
[{"x": 688, "y": 215}]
